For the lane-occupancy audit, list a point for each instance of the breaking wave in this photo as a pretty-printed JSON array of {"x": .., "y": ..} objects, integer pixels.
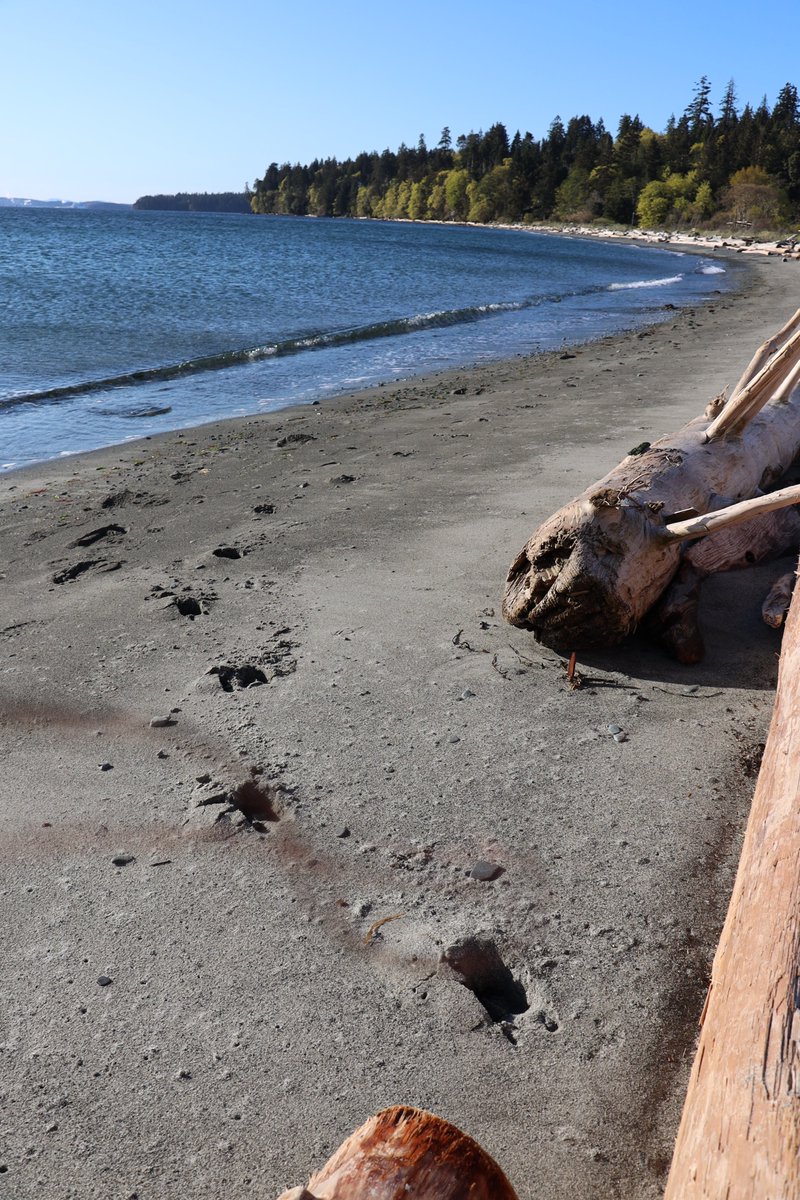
[
  {"x": 296, "y": 345},
  {"x": 645, "y": 283}
]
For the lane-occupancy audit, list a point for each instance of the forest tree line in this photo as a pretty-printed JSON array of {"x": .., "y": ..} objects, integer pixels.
[
  {"x": 736, "y": 168},
  {"x": 196, "y": 202}
]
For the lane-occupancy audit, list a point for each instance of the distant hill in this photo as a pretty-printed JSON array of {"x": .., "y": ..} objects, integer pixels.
[
  {"x": 101, "y": 205},
  {"x": 237, "y": 202}
]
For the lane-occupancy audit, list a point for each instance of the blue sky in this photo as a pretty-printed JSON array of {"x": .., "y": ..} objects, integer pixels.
[{"x": 109, "y": 101}]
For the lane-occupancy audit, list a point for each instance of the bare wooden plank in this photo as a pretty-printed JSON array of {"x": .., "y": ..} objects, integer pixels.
[{"x": 739, "y": 1137}]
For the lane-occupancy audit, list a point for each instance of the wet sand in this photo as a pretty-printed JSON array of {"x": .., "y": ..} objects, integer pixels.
[{"x": 392, "y": 733}]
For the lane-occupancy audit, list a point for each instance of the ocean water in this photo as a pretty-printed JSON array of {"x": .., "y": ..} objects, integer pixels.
[{"x": 116, "y": 326}]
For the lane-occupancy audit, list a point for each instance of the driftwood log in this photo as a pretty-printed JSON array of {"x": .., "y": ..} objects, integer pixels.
[
  {"x": 589, "y": 575},
  {"x": 403, "y": 1152},
  {"x": 739, "y": 1137},
  {"x": 675, "y": 618},
  {"x": 779, "y": 597}
]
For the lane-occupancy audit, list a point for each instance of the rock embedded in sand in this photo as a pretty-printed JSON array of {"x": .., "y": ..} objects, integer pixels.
[{"x": 485, "y": 871}]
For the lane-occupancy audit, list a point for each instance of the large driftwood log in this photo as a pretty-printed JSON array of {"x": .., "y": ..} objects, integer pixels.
[
  {"x": 739, "y": 1138},
  {"x": 404, "y": 1152},
  {"x": 591, "y": 572},
  {"x": 675, "y": 617}
]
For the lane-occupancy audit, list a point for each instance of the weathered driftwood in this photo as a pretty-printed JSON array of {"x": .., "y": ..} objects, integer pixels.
[
  {"x": 404, "y": 1152},
  {"x": 779, "y": 597},
  {"x": 675, "y": 617},
  {"x": 591, "y": 572},
  {"x": 739, "y": 1137}
]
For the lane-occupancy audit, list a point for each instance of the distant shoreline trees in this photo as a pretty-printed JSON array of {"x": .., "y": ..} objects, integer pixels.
[
  {"x": 197, "y": 202},
  {"x": 739, "y": 169}
]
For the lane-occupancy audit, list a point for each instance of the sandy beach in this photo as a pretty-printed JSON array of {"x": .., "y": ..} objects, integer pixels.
[{"x": 260, "y": 719}]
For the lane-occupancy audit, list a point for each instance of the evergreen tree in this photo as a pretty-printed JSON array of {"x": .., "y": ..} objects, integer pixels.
[{"x": 691, "y": 172}]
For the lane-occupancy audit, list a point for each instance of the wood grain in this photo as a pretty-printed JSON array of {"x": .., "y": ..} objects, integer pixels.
[{"x": 739, "y": 1137}]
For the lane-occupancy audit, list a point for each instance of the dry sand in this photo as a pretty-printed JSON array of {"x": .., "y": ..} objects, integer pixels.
[{"x": 251, "y": 1020}]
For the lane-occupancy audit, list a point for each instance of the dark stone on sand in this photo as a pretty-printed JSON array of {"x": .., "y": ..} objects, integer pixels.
[
  {"x": 104, "y": 980},
  {"x": 227, "y": 552},
  {"x": 485, "y": 871},
  {"x": 264, "y": 509},
  {"x": 123, "y": 860},
  {"x": 343, "y": 479},
  {"x": 106, "y": 766}
]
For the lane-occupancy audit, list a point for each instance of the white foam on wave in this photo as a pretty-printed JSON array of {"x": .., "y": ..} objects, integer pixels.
[
  {"x": 710, "y": 270},
  {"x": 422, "y": 318},
  {"x": 645, "y": 283}
]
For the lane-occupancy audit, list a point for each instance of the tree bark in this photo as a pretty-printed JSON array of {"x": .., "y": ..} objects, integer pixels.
[
  {"x": 739, "y": 1138},
  {"x": 404, "y": 1152}
]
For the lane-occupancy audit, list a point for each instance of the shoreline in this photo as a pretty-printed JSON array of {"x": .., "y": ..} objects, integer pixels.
[
  {"x": 635, "y": 321},
  {"x": 405, "y": 734}
]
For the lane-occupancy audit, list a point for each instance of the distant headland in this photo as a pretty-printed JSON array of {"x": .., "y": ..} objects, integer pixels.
[
  {"x": 234, "y": 202},
  {"x": 94, "y": 205}
]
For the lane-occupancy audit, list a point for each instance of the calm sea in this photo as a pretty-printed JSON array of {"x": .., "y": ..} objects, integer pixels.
[{"x": 120, "y": 325}]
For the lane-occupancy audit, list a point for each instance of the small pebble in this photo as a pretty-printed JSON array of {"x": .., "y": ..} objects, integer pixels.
[
  {"x": 466, "y": 694},
  {"x": 122, "y": 860},
  {"x": 485, "y": 871},
  {"x": 620, "y": 737},
  {"x": 106, "y": 766},
  {"x": 453, "y": 739},
  {"x": 104, "y": 980},
  {"x": 614, "y": 729},
  {"x": 344, "y": 833},
  {"x": 161, "y": 722}
]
